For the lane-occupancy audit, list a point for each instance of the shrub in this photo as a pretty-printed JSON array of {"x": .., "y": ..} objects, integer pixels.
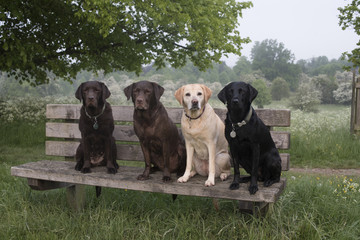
[
  {"x": 29, "y": 110},
  {"x": 280, "y": 89},
  {"x": 344, "y": 93},
  {"x": 263, "y": 97},
  {"x": 306, "y": 98}
]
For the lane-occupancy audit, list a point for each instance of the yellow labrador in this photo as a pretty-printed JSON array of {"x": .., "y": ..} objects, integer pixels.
[{"x": 203, "y": 130}]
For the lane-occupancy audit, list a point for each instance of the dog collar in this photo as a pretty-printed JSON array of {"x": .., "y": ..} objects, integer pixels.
[
  {"x": 190, "y": 118},
  {"x": 240, "y": 124},
  {"x": 96, "y": 125}
]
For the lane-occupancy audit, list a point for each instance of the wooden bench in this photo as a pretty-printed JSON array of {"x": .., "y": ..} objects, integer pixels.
[{"x": 63, "y": 138}]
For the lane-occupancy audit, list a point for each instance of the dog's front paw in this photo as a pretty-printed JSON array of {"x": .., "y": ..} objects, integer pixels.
[
  {"x": 166, "y": 179},
  {"x": 142, "y": 177},
  {"x": 183, "y": 179},
  {"x": 223, "y": 176},
  {"x": 85, "y": 170},
  {"x": 116, "y": 165},
  {"x": 210, "y": 182},
  {"x": 78, "y": 166},
  {"x": 253, "y": 189},
  {"x": 234, "y": 186},
  {"x": 112, "y": 170}
]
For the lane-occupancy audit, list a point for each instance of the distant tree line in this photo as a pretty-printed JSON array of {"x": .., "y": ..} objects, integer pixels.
[{"x": 271, "y": 68}]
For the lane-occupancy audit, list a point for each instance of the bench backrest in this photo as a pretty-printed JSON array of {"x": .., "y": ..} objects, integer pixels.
[{"x": 63, "y": 133}]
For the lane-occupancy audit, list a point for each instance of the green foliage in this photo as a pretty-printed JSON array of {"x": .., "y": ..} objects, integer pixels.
[
  {"x": 321, "y": 65},
  {"x": 28, "y": 110},
  {"x": 243, "y": 66},
  {"x": 274, "y": 60},
  {"x": 279, "y": 89},
  {"x": 306, "y": 98},
  {"x": 264, "y": 97},
  {"x": 326, "y": 87},
  {"x": 349, "y": 18},
  {"x": 41, "y": 40}
]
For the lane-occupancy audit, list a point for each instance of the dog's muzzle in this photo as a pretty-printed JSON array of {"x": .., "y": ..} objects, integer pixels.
[
  {"x": 140, "y": 104},
  {"x": 194, "y": 105}
]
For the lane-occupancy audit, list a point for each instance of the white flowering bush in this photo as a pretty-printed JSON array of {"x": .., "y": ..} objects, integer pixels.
[
  {"x": 306, "y": 98},
  {"x": 29, "y": 110},
  {"x": 343, "y": 93}
]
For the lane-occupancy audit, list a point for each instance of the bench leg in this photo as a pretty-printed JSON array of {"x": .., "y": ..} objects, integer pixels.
[
  {"x": 76, "y": 196},
  {"x": 255, "y": 208}
]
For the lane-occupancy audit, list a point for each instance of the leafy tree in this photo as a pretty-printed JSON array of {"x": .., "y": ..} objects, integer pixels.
[
  {"x": 264, "y": 97},
  {"x": 274, "y": 60},
  {"x": 326, "y": 86},
  {"x": 242, "y": 67},
  {"x": 349, "y": 18},
  {"x": 306, "y": 98},
  {"x": 279, "y": 89},
  {"x": 322, "y": 65},
  {"x": 64, "y": 37}
]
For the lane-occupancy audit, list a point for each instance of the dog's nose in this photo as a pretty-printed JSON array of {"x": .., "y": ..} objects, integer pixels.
[
  {"x": 194, "y": 102},
  {"x": 139, "y": 100},
  {"x": 235, "y": 101}
]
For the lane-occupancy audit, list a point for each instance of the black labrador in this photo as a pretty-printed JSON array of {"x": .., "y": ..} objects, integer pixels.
[
  {"x": 160, "y": 140},
  {"x": 97, "y": 146},
  {"x": 251, "y": 144}
]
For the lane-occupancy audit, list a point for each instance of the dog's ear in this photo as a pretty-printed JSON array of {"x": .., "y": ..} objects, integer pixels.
[
  {"x": 207, "y": 92},
  {"x": 78, "y": 93},
  {"x": 222, "y": 94},
  {"x": 105, "y": 91},
  {"x": 253, "y": 93},
  {"x": 158, "y": 90},
  {"x": 179, "y": 95},
  {"x": 128, "y": 91}
]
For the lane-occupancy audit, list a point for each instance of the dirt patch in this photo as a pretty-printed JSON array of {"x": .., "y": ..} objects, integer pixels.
[{"x": 327, "y": 171}]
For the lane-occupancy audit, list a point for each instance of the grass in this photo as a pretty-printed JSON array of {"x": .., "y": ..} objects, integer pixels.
[{"x": 311, "y": 207}]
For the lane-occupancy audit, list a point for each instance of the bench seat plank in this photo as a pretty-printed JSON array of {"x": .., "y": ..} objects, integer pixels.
[{"x": 62, "y": 171}]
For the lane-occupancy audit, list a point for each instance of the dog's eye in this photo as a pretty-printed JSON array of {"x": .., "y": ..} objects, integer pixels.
[
  {"x": 199, "y": 93},
  {"x": 187, "y": 94},
  {"x": 147, "y": 91}
]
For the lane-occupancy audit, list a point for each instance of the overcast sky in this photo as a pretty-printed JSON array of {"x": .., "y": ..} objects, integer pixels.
[{"x": 308, "y": 28}]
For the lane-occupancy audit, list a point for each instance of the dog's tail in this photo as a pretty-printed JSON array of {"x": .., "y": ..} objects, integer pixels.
[{"x": 98, "y": 191}]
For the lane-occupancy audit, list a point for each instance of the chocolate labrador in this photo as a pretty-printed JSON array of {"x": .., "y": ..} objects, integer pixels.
[
  {"x": 160, "y": 141},
  {"x": 251, "y": 144},
  {"x": 97, "y": 146}
]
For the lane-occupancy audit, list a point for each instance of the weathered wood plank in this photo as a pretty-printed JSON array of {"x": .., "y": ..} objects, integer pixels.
[
  {"x": 126, "y": 133},
  {"x": 271, "y": 117},
  {"x": 62, "y": 171},
  {"x": 41, "y": 185},
  {"x": 124, "y": 152}
]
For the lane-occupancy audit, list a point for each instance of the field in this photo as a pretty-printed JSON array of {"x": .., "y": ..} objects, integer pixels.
[{"x": 312, "y": 206}]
